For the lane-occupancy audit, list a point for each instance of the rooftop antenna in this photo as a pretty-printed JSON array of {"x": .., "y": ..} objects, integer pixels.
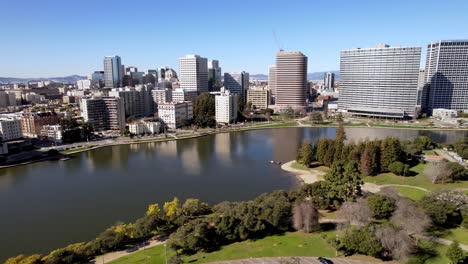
[{"x": 280, "y": 47}]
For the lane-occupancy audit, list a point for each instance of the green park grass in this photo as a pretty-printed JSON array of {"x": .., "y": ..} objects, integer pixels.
[
  {"x": 298, "y": 166},
  {"x": 152, "y": 255},
  {"x": 412, "y": 193},
  {"x": 420, "y": 180},
  {"x": 288, "y": 244},
  {"x": 460, "y": 234},
  {"x": 73, "y": 150}
]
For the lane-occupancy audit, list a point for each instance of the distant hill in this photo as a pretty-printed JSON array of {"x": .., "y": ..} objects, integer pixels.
[
  {"x": 66, "y": 79},
  {"x": 310, "y": 76}
]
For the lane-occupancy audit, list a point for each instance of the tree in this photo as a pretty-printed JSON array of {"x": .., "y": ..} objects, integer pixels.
[
  {"x": 344, "y": 182},
  {"x": 240, "y": 104},
  {"x": 382, "y": 206},
  {"x": 423, "y": 142},
  {"x": 153, "y": 209},
  {"x": 444, "y": 207},
  {"x": 356, "y": 213},
  {"x": 359, "y": 240},
  {"x": 339, "y": 118},
  {"x": 398, "y": 168},
  {"x": 316, "y": 117},
  {"x": 396, "y": 243},
  {"x": 438, "y": 172},
  {"x": 339, "y": 144},
  {"x": 305, "y": 216},
  {"x": 306, "y": 154},
  {"x": 204, "y": 110},
  {"x": 461, "y": 147},
  {"x": 455, "y": 253},
  {"x": 172, "y": 209},
  {"x": 458, "y": 171},
  {"x": 370, "y": 158},
  {"x": 325, "y": 151},
  {"x": 175, "y": 260},
  {"x": 410, "y": 217},
  {"x": 248, "y": 106},
  {"x": 21, "y": 259},
  {"x": 197, "y": 235},
  {"x": 194, "y": 207},
  {"x": 390, "y": 152}
]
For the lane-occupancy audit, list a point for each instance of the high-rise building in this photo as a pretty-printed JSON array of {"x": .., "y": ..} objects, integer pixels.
[
  {"x": 138, "y": 101},
  {"x": 329, "y": 80},
  {"x": 214, "y": 75},
  {"x": 380, "y": 81},
  {"x": 113, "y": 72},
  {"x": 175, "y": 114},
  {"x": 446, "y": 75},
  {"x": 272, "y": 79},
  {"x": 260, "y": 98},
  {"x": 237, "y": 83},
  {"x": 194, "y": 73},
  {"x": 10, "y": 129},
  {"x": 162, "y": 96},
  {"x": 291, "y": 80},
  {"x": 226, "y": 107},
  {"x": 103, "y": 113},
  {"x": 7, "y": 98}
]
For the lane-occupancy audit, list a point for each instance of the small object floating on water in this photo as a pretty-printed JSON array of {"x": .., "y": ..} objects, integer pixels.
[{"x": 65, "y": 158}]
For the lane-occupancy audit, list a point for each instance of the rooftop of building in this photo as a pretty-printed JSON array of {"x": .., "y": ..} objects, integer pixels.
[{"x": 383, "y": 46}]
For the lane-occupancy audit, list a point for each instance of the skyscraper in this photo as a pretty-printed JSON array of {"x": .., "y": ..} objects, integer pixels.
[
  {"x": 237, "y": 83},
  {"x": 329, "y": 81},
  {"x": 380, "y": 81},
  {"x": 447, "y": 75},
  {"x": 194, "y": 73},
  {"x": 113, "y": 72},
  {"x": 214, "y": 75},
  {"x": 291, "y": 80},
  {"x": 272, "y": 79}
]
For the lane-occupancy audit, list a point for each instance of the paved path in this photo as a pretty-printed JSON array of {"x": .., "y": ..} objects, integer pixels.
[
  {"x": 118, "y": 254},
  {"x": 441, "y": 241},
  {"x": 295, "y": 260}
]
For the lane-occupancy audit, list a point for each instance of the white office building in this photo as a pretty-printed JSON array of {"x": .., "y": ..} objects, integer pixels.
[
  {"x": 193, "y": 73},
  {"x": 83, "y": 84},
  {"x": 10, "y": 128},
  {"x": 380, "y": 81},
  {"x": 175, "y": 114},
  {"x": 144, "y": 127},
  {"x": 53, "y": 133},
  {"x": 137, "y": 101},
  {"x": 180, "y": 95},
  {"x": 162, "y": 96},
  {"x": 226, "y": 107}
]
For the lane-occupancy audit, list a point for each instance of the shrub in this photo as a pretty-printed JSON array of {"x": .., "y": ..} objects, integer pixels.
[
  {"x": 382, "y": 207},
  {"x": 398, "y": 168}
]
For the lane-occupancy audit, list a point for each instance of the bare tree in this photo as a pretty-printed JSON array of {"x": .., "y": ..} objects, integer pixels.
[
  {"x": 410, "y": 217},
  {"x": 390, "y": 192},
  {"x": 397, "y": 243},
  {"x": 357, "y": 213},
  {"x": 305, "y": 216},
  {"x": 438, "y": 172}
]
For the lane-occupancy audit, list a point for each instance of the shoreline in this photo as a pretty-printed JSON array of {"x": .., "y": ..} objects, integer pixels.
[{"x": 294, "y": 124}]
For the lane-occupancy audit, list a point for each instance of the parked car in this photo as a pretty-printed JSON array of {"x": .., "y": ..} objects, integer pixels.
[{"x": 325, "y": 261}]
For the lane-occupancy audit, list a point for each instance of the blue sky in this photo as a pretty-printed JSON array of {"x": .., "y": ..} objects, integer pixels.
[{"x": 55, "y": 38}]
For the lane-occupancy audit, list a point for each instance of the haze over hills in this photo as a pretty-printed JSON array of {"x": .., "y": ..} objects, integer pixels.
[
  {"x": 310, "y": 75},
  {"x": 65, "y": 79}
]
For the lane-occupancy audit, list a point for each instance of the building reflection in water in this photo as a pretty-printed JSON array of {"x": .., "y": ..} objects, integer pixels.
[{"x": 223, "y": 148}]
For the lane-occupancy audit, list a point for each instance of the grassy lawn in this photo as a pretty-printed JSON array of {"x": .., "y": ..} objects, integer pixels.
[
  {"x": 298, "y": 166},
  {"x": 153, "y": 255},
  {"x": 412, "y": 193},
  {"x": 440, "y": 250},
  {"x": 289, "y": 244},
  {"x": 460, "y": 234},
  {"x": 419, "y": 180},
  {"x": 328, "y": 214}
]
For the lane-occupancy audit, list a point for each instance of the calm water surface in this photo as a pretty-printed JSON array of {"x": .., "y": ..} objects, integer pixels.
[{"x": 51, "y": 204}]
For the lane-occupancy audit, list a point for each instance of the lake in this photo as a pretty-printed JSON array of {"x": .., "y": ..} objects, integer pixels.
[{"x": 51, "y": 204}]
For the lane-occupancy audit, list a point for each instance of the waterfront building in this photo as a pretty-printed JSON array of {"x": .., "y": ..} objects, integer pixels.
[
  {"x": 10, "y": 129},
  {"x": 144, "y": 127},
  {"x": 193, "y": 73},
  {"x": 226, "y": 107},
  {"x": 214, "y": 75},
  {"x": 237, "y": 83},
  {"x": 175, "y": 114},
  {"x": 113, "y": 72},
  {"x": 272, "y": 79},
  {"x": 180, "y": 95},
  {"x": 447, "y": 75},
  {"x": 52, "y": 133},
  {"x": 329, "y": 81},
  {"x": 33, "y": 122},
  {"x": 259, "y": 97},
  {"x": 103, "y": 113},
  {"x": 291, "y": 80},
  {"x": 380, "y": 81},
  {"x": 441, "y": 113}
]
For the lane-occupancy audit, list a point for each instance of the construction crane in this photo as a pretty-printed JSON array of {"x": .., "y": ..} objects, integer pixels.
[{"x": 280, "y": 47}]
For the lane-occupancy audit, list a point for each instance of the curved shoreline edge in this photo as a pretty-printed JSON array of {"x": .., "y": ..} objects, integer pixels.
[{"x": 259, "y": 127}]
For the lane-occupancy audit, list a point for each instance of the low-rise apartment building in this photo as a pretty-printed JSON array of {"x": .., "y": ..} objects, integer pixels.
[{"x": 175, "y": 114}]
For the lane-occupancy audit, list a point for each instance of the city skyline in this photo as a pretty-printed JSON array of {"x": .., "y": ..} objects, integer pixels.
[{"x": 54, "y": 35}]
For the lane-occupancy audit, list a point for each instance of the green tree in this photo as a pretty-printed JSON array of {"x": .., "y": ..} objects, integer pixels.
[
  {"x": 370, "y": 158},
  {"x": 204, "y": 110},
  {"x": 382, "y": 206},
  {"x": 316, "y": 117},
  {"x": 390, "y": 152},
  {"x": 194, "y": 207},
  {"x": 339, "y": 144},
  {"x": 455, "y": 253},
  {"x": 344, "y": 182},
  {"x": 398, "y": 168},
  {"x": 172, "y": 208},
  {"x": 325, "y": 151},
  {"x": 359, "y": 240},
  {"x": 306, "y": 154}
]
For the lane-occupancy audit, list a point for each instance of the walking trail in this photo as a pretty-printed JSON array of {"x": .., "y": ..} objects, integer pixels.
[{"x": 118, "y": 254}]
